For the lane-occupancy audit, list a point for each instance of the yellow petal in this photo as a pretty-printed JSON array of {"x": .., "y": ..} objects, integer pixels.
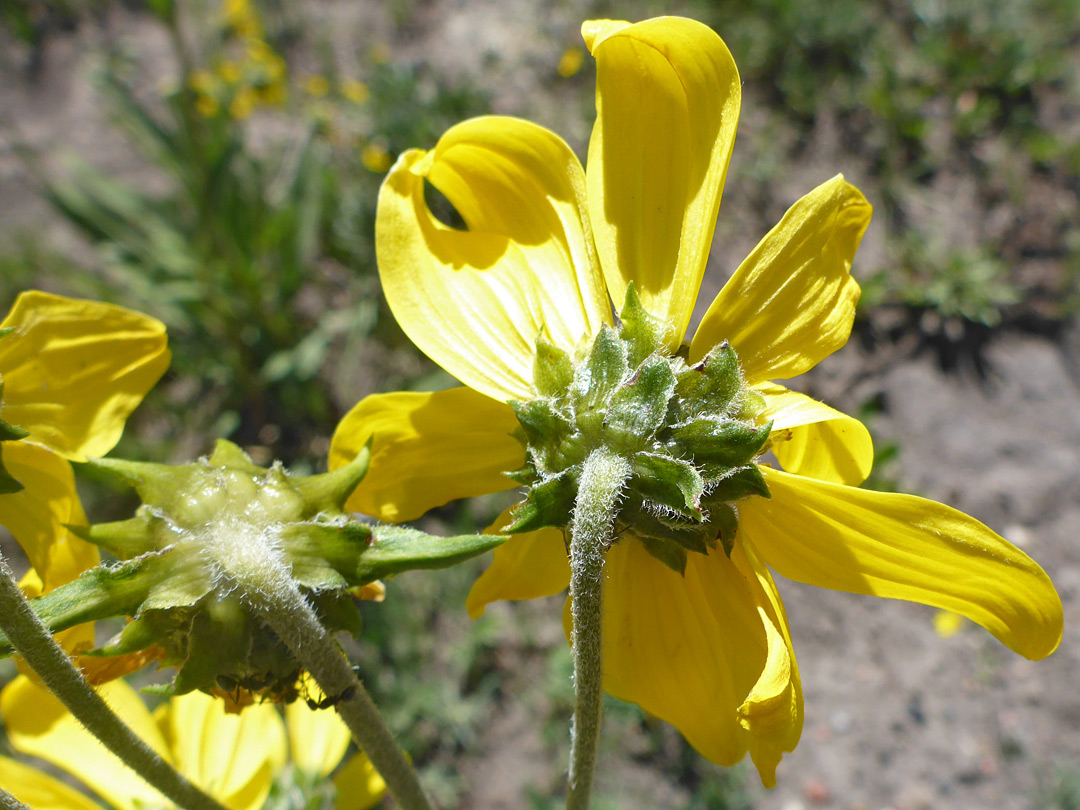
[
  {"x": 903, "y": 547},
  {"x": 38, "y": 725},
  {"x": 317, "y": 737},
  {"x": 773, "y": 711},
  {"x": 359, "y": 785},
  {"x": 527, "y": 566},
  {"x": 37, "y": 514},
  {"x": 74, "y": 370},
  {"x": 667, "y": 104},
  {"x": 230, "y": 756},
  {"x": 429, "y": 449},
  {"x": 475, "y": 300},
  {"x": 708, "y": 652},
  {"x": 791, "y": 303},
  {"x": 40, "y": 791},
  {"x": 810, "y": 438}
]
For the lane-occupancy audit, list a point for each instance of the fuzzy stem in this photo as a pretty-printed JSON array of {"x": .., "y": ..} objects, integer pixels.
[
  {"x": 32, "y": 640},
  {"x": 9, "y": 802},
  {"x": 602, "y": 480},
  {"x": 273, "y": 592}
]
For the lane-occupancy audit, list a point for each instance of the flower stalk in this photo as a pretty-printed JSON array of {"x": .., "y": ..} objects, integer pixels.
[
  {"x": 32, "y": 640},
  {"x": 270, "y": 588},
  {"x": 9, "y": 802},
  {"x": 603, "y": 477}
]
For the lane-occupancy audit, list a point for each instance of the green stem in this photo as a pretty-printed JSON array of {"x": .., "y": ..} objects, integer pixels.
[
  {"x": 32, "y": 640},
  {"x": 601, "y": 486},
  {"x": 9, "y": 802},
  {"x": 272, "y": 591}
]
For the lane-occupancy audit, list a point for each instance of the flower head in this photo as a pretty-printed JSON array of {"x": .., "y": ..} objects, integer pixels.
[
  {"x": 236, "y": 758},
  {"x": 517, "y": 307}
]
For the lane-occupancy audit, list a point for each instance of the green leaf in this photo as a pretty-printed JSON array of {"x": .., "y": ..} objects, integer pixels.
[
  {"x": 638, "y": 408},
  {"x": 96, "y": 594},
  {"x": 643, "y": 332},
  {"x": 719, "y": 441},
  {"x": 545, "y": 427},
  {"x": 328, "y": 491},
  {"x": 227, "y": 454},
  {"x": 396, "y": 549},
  {"x": 668, "y": 481},
  {"x": 670, "y": 554},
  {"x": 547, "y": 504},
  {"x": 598, "y": 377},
  {"x": 553, "y": 371},
  {"x": 8, "y": 484},
  {"x": 125, "y": 539},
  {"x": 740, "y": 483},
  {"x": 725, "y": 523},
  {"x": 710, "y": 387},
  {"x": 157, "y": 484},
  {"x": 643, "y": 523}
]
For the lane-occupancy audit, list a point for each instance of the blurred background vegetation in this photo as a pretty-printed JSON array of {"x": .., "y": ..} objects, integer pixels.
[{"x": 251, "y": 146}]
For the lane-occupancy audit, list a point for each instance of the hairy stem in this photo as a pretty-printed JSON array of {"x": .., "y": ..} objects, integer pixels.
[
  {"x": 273, "y": 592},
  {"x": 601, "y": 486},
  {"x": 32, "y": 640},
  {"x": 9, "y": 802}
]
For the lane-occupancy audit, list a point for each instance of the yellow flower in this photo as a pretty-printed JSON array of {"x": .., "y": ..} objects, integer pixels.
[
  {"x": 570, "y": 62},
  {"x": 375, "y": 157},
  {"x": 355, "y": 91},
  {"x": 706, "y": 649},
  {"x": 241, "y": 18},
  {"x": 233, "y": 757},
  {"x": 72, "y": 371},
  {"x": 317, "y": 86},
  {"x": 243, "y": 102}
]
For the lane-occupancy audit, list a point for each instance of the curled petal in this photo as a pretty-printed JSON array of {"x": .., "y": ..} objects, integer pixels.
[
  {"x": 667, "y": 103},
  {"x": 428, "y": 450},
  {"x": 810, "y": 438},
  {"x": 527, "y": 566},
  {"x": 903, "y": 547},
  {"x": 791, "y": 303},
  {"x": 74, "y": 370},
  {"x": 475, "y": 300},
  {"x": 708, "y": 652}
]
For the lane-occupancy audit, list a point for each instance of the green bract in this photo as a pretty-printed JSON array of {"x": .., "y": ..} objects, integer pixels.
[
  {"x": 690, "y": 432},
  {"x": 201, "y": 521}
]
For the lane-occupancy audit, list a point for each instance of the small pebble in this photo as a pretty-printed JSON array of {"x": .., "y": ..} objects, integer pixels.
[{"x": 816, "y": 791}]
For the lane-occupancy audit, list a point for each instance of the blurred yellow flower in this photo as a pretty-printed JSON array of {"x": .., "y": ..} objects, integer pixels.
[
  {"x": 206, "y": 106},
  {"x": 241, "y": 18},
  {"x": 947, "y": 624},
  {"x": 229, "y": 71},
  {"x": 233, "y": 757},
  {"x": 380, "y": 53},
  {"x": 375, "y": 157},
  {"x": 548, "y": 244},
  {"x": 202, "y": 81},
  {"x": 355, "y": 91},
  {"x": 570, "y": 62},
  {"x": 317, "y": 86},
  {"x": 243, "y": 102}
]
